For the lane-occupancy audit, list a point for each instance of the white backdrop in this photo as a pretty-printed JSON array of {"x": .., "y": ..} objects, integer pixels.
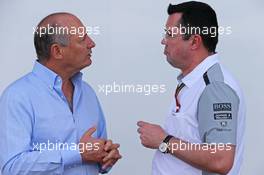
[{"x": 128, "y": 51}]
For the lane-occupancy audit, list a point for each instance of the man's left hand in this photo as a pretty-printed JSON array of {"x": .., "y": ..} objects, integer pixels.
[{"x": 113, "y": 154}]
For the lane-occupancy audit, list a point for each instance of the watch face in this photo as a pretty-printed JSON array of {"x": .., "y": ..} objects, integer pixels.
[{"x": 163, "y": 147}]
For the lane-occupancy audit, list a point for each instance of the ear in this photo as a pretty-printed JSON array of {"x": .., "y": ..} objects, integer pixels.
[
  {"x": 196, "y": 41},
  {"x": 56, "y": 51}
]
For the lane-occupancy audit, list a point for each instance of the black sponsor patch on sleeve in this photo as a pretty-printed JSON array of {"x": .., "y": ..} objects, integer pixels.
[
  {"x": 223, "y": 116},
  {"x": 222, "y": 107}
]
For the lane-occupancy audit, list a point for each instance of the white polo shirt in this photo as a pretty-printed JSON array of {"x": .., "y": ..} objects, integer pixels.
[{"x": 212, "y": 111}]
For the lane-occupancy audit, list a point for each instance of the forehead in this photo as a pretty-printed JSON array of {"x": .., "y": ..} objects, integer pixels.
[
  {"x": 173, "y": 20},
  {"x": 75, "y": 27}
]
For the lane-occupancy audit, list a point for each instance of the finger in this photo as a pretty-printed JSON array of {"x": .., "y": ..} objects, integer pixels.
[
  {"x": 90, "y": 131},
  {"x": 118, "y": 156},
  {"x": 100, "y": 156},
  {"x": 139, "y": 130},
  {"x": 115, "y": 146},
  {"x": 143, "y": 141},
  {"x": 102, "y": 142},
  {"x": 113, "y": 161},
  {"x": 103, "y": 154},
  {"x": 108, "y": 145},
  {"x": 110, "y": 155},
  {"x": 108, "y": 164},
  {"x": 141, "y": 123}
]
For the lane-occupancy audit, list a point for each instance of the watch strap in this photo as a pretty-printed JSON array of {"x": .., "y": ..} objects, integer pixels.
[{"x": 167, "y": 139}]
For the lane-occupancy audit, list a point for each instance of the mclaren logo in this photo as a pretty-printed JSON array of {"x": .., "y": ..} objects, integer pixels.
[{"x": 223, "y": 116}]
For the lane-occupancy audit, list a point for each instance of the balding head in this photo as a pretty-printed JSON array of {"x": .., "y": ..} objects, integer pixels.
[
  {"x": 60, "y": 18},
  {"x": 53, "y": 29}
]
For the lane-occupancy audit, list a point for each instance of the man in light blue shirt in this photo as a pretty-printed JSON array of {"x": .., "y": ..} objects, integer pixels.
[{"x": 51, "y": 121}]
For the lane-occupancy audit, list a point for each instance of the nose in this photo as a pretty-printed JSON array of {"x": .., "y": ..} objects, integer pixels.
[
  {"x": 90, "y": 43},
  {"x": 163, "y": 41}
]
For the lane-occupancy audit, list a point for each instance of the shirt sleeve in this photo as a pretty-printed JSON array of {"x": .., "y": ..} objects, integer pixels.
[
  {"x": 102, "y": 133},
  {"x": 18, "y": 155},
  {"x": 217, "y": 114}
]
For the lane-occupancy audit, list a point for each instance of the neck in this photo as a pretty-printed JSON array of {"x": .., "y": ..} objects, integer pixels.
[
  {"x": 194, "y": 62},
  {"x": 62, "y": 72}
]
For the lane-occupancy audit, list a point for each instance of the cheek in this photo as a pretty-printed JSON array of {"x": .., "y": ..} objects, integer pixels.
[
  {"x": 80, "y": 51},
  {"x": 174, "y": 51},
  {"x": 179, "y": 49},
  {"x": 172, "y": 47}
]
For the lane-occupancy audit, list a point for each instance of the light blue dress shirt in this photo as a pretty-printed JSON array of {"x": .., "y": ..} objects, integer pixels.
[{"x": 35, "y": 114}]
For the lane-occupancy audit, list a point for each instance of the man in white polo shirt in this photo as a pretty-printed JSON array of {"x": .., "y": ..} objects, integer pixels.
[{"x": 204, "y": 130}]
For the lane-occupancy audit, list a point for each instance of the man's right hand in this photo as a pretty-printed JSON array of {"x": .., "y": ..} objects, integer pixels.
[{"x": 94, "y": 152}]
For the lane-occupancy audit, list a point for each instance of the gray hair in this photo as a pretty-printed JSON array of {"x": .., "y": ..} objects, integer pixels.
[
  {"x": 55, "y": 32},
  {"x": 44, "y": 41}
]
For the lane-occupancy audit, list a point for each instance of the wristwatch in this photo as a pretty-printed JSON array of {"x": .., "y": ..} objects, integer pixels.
[{"x": 164, "y": 146}]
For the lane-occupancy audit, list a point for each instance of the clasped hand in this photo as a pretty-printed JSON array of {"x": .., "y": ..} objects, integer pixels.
[{"x": 101, "y": 151}]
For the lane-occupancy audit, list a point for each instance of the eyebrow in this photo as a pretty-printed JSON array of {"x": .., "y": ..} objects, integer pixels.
[{"x": 167, "y": 30}]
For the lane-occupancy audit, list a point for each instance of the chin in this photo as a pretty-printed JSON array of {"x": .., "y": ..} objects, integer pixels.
[
  {"x": 171, "y": 63},
  {"x": 84, "y": 65},
  {"x": 88, "y": 62}
]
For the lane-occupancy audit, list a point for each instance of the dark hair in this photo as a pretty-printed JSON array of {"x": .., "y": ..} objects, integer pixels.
[{"x": 198, "y": 15}]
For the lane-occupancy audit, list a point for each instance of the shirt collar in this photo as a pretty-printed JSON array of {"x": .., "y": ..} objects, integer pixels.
[
  {"x": 51, "y": 78},
  {"x": 198, "y": 71}
]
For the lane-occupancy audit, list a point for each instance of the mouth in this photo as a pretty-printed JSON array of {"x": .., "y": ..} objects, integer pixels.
[
  {"x": 165, "y": 52},
  {"x": 89, "y": 54}
]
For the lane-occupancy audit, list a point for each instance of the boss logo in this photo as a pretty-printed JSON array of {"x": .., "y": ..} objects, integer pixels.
[{"x": 222, "y": 106}]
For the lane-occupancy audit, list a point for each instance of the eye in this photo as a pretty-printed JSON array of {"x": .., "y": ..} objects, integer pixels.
[{"x": 168, "y": 33}]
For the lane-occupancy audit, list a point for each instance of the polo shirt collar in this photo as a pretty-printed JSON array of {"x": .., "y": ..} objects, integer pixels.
[{"x": 198, "y": 71}]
